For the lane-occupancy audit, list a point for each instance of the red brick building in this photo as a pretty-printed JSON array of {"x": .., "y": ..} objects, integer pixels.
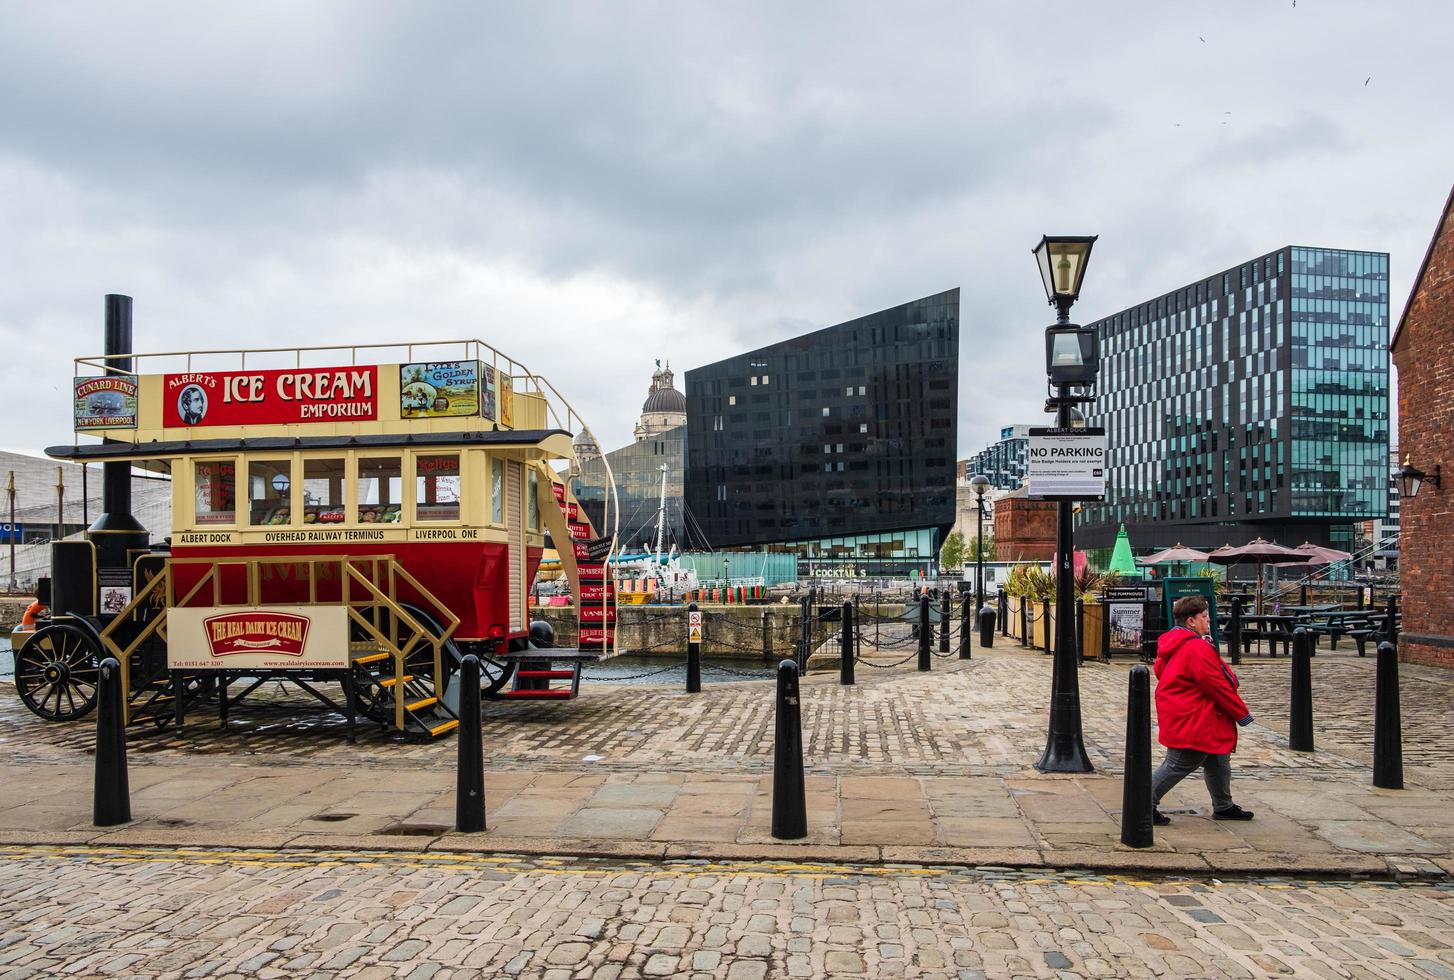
[
  {"x": 1423, "y": 351},
  {"x": 1024, "y": 528}
]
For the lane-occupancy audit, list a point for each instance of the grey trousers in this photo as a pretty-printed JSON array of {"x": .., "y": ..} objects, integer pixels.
[{"x": 1180, "y": 763}]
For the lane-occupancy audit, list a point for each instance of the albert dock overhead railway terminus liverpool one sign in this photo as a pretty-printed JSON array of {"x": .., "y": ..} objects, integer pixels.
[{"x": 1067, "y": 464}]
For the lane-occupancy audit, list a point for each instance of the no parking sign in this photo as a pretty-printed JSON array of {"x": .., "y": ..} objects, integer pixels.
[{"x": 694, "y": 626}]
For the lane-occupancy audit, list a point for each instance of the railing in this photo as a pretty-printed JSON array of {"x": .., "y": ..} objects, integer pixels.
[{"x": 379, "y": 587}]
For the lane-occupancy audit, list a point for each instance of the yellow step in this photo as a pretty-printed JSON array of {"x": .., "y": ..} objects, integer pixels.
[
  {"x": 421, "y": 704},
  {"x": 447, "y": 726},
  {"x": 372, "y": 658},
  {"x": 391, "y": 681}
]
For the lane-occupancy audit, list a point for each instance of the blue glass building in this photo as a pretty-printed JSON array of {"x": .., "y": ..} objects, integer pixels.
[{"x": 1251, "y": 403}]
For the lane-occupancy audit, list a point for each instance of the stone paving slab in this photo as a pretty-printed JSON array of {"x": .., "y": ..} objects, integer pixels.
[{"x": 906, "y": 762}]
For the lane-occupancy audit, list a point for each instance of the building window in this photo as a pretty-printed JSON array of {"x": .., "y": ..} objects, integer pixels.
[
  {"x": 732, "y": 399},
  {"x": 269, "y": 485},
  {"x": 380, "y": 489},
  {"x": 436, "y": 487},
  {"x": 826, "y": 410}
]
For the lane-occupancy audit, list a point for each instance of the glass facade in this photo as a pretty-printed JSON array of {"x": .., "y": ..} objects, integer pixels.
[
  {"x": 1003, "y": 463},
  {"x": 839, "y": 444},
  {"x": 1253, "y": 402},
  {"x": 637, "y": 469}
]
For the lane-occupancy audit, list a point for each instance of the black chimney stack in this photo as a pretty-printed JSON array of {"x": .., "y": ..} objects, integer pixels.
[{"x": 116, "y": 532}]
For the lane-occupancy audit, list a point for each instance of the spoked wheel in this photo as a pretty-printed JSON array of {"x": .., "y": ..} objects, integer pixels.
[
  {"x": 56, "y": 672},
  {"x": 495, "y": 670}
]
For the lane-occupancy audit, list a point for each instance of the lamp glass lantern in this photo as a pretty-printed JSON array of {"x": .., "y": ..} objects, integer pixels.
[
  {"x": 1062, "y": 260},
  {"x": 1410, "y": 479},
  {"x": 1072, "y": 354}
]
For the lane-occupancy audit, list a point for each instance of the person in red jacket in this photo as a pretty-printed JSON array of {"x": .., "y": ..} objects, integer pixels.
[{"x": 1197, "y": 710}]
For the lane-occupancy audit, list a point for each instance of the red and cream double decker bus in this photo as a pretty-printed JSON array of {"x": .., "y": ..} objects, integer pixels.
[{"x": 363, "y": 515}]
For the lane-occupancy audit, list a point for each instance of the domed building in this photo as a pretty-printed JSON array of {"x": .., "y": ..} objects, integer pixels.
[
  {"x": 585, "y": 447},
  {"x": 664, "y": 408}
]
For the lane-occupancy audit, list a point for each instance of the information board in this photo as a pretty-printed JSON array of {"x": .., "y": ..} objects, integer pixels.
[
  {"x": 1126, "y": 618},
  {"x": 1066, "y": 464},
  {"x": 1174, "y": 588}
]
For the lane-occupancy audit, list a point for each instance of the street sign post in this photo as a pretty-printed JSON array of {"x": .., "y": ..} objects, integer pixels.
[{"x": 1067, "y": 463}]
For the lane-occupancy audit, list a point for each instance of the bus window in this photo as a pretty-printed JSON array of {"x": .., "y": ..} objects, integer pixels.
[
  {"x": 323, "y": 491},
  {"x": 497, "y": 491},
  {"x": 215, "y": 484},
  {"x": 436, "y": 488},
  {"x": 269, "y": 483},
  {"x": 380, "y": 489}
]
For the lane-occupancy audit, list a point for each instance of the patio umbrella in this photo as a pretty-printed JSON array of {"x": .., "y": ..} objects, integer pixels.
[
  {"x": 1259, "y": 553},
  {"x": 1318, "y": 555},
  {"x": 1177, "y": 553}
]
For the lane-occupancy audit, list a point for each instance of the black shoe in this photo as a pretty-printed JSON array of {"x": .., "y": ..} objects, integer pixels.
[
  {"x": 1158, "y": 818},
  {"x": 1233, "y": 812}
]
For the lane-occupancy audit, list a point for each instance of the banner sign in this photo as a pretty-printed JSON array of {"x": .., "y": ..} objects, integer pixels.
[
  {"x": 210, "y": 398},
  {"x": 1126, "y": 614},
  {"x": 507, "y": 401},
  {"x": 1067, "y": 464},
  {"x": 257, "y": 637},
  {"x": 487, "y": 391},
  {"x": 12, "y": 533},
  {"x": 439, "y": 389},
  {"x": 107, "y": 402}
]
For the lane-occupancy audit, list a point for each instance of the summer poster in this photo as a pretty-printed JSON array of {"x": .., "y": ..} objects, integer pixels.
[{"x": 439, "y": 389}]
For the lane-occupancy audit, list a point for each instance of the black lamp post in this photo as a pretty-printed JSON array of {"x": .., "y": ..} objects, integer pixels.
[
  {"x": 1072, "y": 360},
  {"x": 980, "y": 485}
]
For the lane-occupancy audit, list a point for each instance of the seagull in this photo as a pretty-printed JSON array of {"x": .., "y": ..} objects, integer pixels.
[
  {"x": 1201, "y": 39},
  {"x": 1367, "y": 80}
]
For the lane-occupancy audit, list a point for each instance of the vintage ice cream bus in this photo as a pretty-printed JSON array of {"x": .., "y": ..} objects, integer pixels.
[{"x": 363, "y": 515}]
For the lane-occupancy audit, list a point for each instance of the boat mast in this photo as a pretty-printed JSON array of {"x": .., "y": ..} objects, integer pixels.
[{"x": 660, "y": 520}]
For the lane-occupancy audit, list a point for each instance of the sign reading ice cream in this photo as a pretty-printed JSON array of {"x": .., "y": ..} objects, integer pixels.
[
  {"x": 212, "y": 398},
  {"x": 257, "y": 638}
]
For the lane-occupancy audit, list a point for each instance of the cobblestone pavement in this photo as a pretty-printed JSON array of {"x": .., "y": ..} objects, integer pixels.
[{"x": 244, "y": 914}]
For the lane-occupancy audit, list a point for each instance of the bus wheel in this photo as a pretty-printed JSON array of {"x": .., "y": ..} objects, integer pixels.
[{"x": 56, "y": 672}]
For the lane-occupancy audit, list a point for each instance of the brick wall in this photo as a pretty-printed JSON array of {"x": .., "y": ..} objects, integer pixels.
[
  {"x": 1423, "y": 352},
  {"x": 1024, "y": 529}
]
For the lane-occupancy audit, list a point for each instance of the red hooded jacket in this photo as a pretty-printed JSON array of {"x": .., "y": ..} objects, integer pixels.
[{"x": 1197, "y": 705}]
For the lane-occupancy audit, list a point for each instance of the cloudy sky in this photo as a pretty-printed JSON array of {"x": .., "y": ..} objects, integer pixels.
[{"x": 590, "y": 186}]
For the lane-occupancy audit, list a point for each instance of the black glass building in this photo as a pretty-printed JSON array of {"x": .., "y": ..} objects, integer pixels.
[
  {"x": 1252, "y": 403},
  {"x": 838, "y": 445}
]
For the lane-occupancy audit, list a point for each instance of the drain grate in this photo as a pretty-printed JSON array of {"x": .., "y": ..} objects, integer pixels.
[
  {"x": 415, "y": 830},
  {"x": 333, "y": 817}
]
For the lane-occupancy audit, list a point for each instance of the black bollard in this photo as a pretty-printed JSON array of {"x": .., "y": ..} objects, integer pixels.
[
  {"x": 1002, "y": 601},
  {"x": 1024, "y": 621},
  {"x": 1300, "y": 708},
  {"x": 1136, "y": 805},
  {"x": 1303, "y": 595},
  {"x": 1388, "y": 744},
  {"x": 112, "y": 803},
  {"x": 944, "y": 622},
  {"x": 1045, "y": 613},
  {"x": 964, "y": 629},
  {"x": 986, "y": 628},
  {"x": 789, "y": 793},
  {"x": 766, "y": 637},
  {"x": 925, "y": 633},
  {"x": 469, "y": 791},
  {"x": 1234, "y": 631},
  {"x": 694, "y": 657},
  {"x": 845, "y": 646}
]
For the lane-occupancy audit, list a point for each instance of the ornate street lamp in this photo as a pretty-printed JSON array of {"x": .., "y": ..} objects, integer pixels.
[
  {"x": 979, "y": 484},
  {"x": 1410, "y": 479},
  {"x": 1072, "y": 361}
]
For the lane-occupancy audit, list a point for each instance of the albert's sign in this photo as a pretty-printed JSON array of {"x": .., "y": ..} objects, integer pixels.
[
  {"x": 1066, "y": 464},
  {"x": 212, "y": 398}
]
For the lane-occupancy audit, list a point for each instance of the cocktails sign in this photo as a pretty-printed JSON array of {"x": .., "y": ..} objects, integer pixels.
[{"x": 213, "y": 398}]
